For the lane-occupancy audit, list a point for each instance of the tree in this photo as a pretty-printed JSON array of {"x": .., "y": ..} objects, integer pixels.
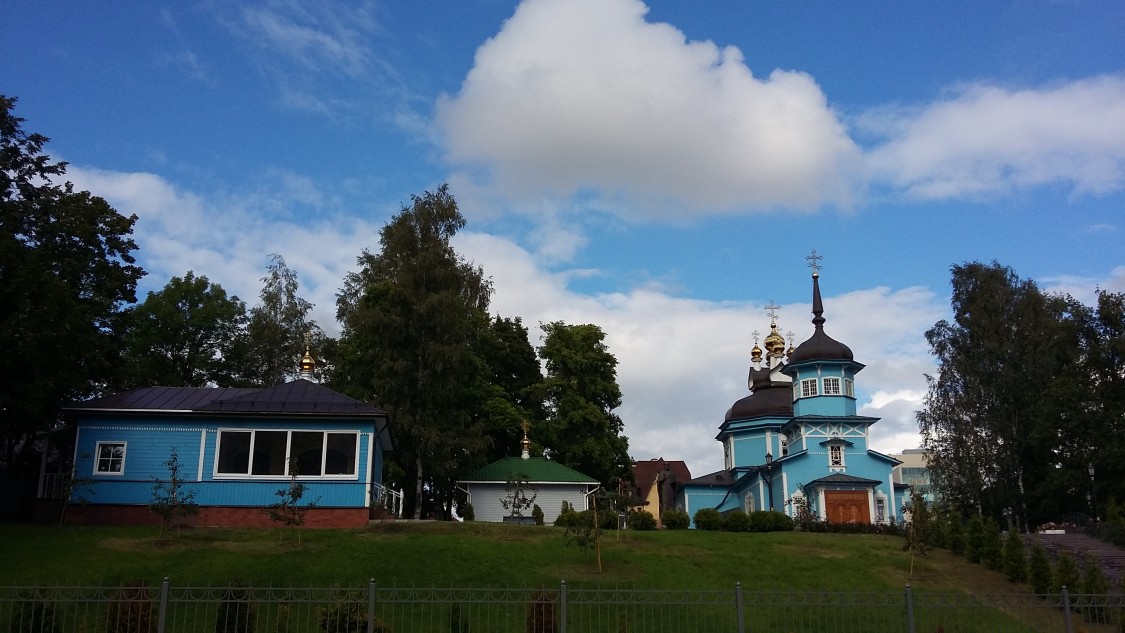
[
  {"x": 919, "y": 531},
  {"x": 582, "y": 392},
  {"x": 515, "y": 389},
  {"x": 992, "y": 412},
  {"x": 275, "y": 333},
  {"x": 412, "y": 316},
  {"x": 66, "y": 268},
  {"x": 288, "y": 510},
  {"x": 1015, "y": 563},
  {"x": 516, "y": 500},
  {"x": 171, "y": 498},
  {"x": 185, "y": 335},
  {"x": 1039, "y": 570}
]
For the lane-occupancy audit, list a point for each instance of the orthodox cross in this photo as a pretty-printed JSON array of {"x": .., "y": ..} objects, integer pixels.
[
  {"x": 814, "y": 261},
  {"x": 524, "y": 425},
  {"x": 755, "y": 334},
  {"x": 308, "y": 339},
  {"x": 771, "y": 310},
  {"x": 790, "y": 335}
]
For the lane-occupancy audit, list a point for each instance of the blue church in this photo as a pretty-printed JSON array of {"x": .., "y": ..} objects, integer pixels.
[{"x": 796, "y": 444}]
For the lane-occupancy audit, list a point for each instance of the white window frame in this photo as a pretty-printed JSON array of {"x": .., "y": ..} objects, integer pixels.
[
  {"x": 784, "y": 446},
  {"x": 288, "y": 456},
  {"x": 849, "y": 387},
  {"x": 808, "y": 388},
  {"x": 98, "y": 458},
  {"x": 834, "y": 451},
  {"x": 831, "y": 385}
]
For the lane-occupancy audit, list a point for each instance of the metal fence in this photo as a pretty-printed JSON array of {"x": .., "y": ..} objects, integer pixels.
[{"x": 563, "y": 609}]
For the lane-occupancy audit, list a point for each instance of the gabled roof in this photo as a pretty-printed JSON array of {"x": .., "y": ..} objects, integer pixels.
[
  {"x": 533, "y": 469},
  {"x": 841, "y": 478},
  {"x": 646, "y": 473},
  {"x": 297, "y": 398},
  {"x": 717, "y": 478}
]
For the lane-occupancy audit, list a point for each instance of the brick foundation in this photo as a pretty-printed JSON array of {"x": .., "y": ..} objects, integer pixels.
[{"x": 213, "y": 516}]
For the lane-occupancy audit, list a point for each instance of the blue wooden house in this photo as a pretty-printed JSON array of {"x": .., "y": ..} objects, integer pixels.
[
  {"x": 796, "y": 443},
  {"x": 236, "y": 448}
]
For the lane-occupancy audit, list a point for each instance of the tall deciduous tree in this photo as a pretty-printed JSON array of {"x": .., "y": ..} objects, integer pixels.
[
  {"x": 411, "y": 318},
  {"x": 66, "y": 268},
  {"x": 185, "y": 335},
  {"x": 583, "y": 432},
  {"x": 275, "y": 333},
  {"x": 992, "y": 414},
  {"x": 514, "y": 394}
]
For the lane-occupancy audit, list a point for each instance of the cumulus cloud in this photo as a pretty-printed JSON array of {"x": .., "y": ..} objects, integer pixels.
[
  {"x": 579, "y": 95},
  {"x": 985, "y": 140},
  {"x": 229, "y": 239}
]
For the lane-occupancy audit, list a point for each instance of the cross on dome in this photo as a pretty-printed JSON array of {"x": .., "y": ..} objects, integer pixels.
[
  {"x": 771, "y": 310},
  {"x": 814, "y": 261}
]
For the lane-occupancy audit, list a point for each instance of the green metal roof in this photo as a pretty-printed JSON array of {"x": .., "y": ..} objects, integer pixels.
[{"x": 533, "y": 469}]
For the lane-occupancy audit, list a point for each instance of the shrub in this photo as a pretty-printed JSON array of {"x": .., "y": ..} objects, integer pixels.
[
  {"x": 467, "y": 512},
  {"x": 236, "y": 613},
  {"x": 567, "y": 516},
  {"x": 171, "y": 498},
  {"x": 33, "y": 616},
  {"x": 974, "y": 541},
  {"x": 541, "y": 613},
  {"x": 992, "y": 546},
  {"x": 780, "y": 522},
  {"x": 537, "y": 514},
  {"x": 736, "y": 521},
  {"x": 348, "y": 617},
  {"x": 675, "y": 520},
  {"x": 642, "y": 520},
  {"x": 954, "y": 531},
  {"x": 1095, "y": 584},
  {"x": 129, "y": 611},
  {"x": 708, "y": 519},
  {"x": 1015, "y": 564},
  {"x": 1039, "y": 570},
  {"x": 1066, "y": 573}
]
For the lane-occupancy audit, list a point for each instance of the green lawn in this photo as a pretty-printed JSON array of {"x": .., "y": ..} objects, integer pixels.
[{"x": 478, "y": 554}]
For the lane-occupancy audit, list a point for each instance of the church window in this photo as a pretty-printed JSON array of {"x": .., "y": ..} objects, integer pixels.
[
  {"x": 808, "y": 387},
  {"x": 784, "y": 446},
  {"x": 831, "y": 386},
  {"x": 835, "y": 456},
  {"x": 849, "y": 388},
  {"x": 726, "y": 454},
  {"x": 880, "y": 510}
]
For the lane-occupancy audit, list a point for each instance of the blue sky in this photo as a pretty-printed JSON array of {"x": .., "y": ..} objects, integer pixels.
[{"x": 659, "y": 169}]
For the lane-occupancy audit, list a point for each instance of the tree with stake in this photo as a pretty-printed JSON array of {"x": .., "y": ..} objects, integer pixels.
[{"x": 171, "y": 499}]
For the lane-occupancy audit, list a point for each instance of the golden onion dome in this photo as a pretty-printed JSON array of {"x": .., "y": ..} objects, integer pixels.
[
  {"x": 775, "y": 342},
  {"x": 307, "y": 362},
  {"x": 756, "y": 353}
]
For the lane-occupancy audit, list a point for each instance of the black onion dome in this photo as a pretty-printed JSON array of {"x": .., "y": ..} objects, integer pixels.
[
  {"x": 770, "y": 397},
  {"x": 820, "y": 346}
]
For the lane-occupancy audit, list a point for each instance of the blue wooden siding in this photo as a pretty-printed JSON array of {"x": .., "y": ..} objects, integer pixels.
[{"x": 149, "y": 444}]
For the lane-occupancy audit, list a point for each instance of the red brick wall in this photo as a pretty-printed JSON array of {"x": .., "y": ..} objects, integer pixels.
[{"x": 213, "y": 516}]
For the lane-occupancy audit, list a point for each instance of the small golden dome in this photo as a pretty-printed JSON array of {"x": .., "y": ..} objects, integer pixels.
[
  {"x": 756, "y": 353},
  {"x": 775, "y": 342},
  {"x": 307, "y": 362}
]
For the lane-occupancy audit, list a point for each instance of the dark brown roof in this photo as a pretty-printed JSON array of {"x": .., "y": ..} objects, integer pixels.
[
  {"x": 300, "y": 397},
  {"x": 820, "y": 346},
  {"x": 717, "y": 478},
  {"x": 645, "y": 474}
]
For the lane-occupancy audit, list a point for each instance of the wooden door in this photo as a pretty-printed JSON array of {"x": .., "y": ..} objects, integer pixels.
[{"x": 847, "y": 506}]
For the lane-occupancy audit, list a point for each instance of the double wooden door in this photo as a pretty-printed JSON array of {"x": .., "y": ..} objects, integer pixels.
[{"x": 847, "y": 506}]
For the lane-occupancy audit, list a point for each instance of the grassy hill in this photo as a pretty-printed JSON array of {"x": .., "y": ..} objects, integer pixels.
[{"x": 479, "y": 554}]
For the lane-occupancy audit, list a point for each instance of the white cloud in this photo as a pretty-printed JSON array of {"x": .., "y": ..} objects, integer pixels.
[
  {"x": 229, "y": 240},
  {"x": 986, "y": 140},
  {"x": 577, "y": 96}
]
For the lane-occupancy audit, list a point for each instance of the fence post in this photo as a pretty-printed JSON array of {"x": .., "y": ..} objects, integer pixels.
[
  {"x": 562, "y": 607},
  {"x": 739, "y": 607},
  {"x": 163, "y": 614},
  {"x": 371, "y": 605},
  {"x": 909, "y": 609},
  {"x": 1067, "y": 624}
]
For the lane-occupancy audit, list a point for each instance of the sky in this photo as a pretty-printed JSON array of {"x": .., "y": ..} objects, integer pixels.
[{"x": 659, "y": 169}]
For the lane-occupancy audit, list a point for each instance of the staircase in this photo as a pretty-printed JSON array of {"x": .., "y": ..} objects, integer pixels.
[{"x": 1111, "y": 558}]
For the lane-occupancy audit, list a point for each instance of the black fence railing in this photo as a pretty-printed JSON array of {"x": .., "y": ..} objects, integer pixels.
[{"x": 561, "y": 608}]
